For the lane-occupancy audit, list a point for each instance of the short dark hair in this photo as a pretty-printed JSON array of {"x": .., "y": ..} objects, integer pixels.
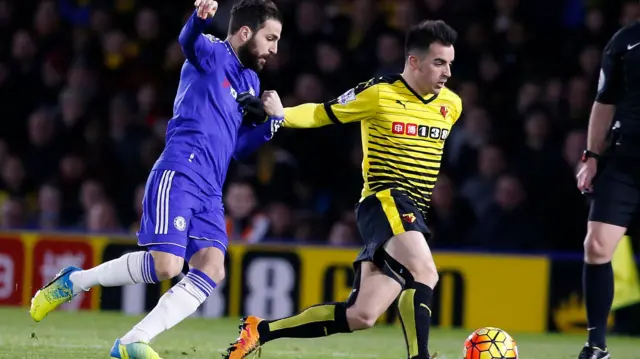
[
  {"x": 253, "y": 13},
  {"x": 421, "y": 36}
]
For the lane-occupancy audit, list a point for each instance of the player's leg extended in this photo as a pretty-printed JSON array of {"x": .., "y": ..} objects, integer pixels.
[
  {"x": 599, "y": 246},
  {"x": 183, "y": 299},
  {"x": 373, "y": 293},
  {"x": 412, "y": 253},
  {"x": 165, "y": 234},
  {"x": 206, "y": 243},
  {"x": 614, "y": 201},
  {"x": 131, "y": 268}
]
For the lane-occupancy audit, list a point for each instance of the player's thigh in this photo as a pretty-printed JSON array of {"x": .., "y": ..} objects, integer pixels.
[
  {"x": 411, "y": 251},
  {"x": 394, "y": 231},
  {"x": 614, "y": 203},
  {"x": 616, "y": 192},
  {"x": 373, "y": 293},
  {"x": 169, "y": 202},
  {"x": 207, "y": 240}
]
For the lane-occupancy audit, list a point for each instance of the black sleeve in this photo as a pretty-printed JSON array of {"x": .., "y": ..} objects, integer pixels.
[{"x": 611, "y": 82}]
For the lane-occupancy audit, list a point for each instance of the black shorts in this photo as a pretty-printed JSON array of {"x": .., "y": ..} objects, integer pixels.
[
  {"x": 616, "y": 192},
  {"x": 382, "y": 216}
]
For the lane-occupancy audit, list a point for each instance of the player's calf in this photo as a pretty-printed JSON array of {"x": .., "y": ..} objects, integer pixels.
[
  {"x": 182, "y": 300},
  {"x": 409, "y": 252},
  {"x": 599, "y": 246}
]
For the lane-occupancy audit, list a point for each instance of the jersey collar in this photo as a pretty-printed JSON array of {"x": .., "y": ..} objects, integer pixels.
[{"x": 232, "y": 51}]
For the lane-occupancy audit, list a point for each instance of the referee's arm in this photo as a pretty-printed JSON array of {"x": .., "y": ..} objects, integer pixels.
[
  {"x": 357, "y": 104},
  {"x": 610, "y": 86}
]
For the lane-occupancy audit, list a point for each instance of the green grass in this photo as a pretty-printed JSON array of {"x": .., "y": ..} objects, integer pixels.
[{"x": 65, "y": 335}]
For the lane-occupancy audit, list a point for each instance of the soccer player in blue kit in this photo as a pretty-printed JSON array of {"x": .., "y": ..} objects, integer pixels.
[{"x": 183, "y": 215}]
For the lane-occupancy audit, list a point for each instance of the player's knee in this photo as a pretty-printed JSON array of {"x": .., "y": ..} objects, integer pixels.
[
  {"x": 167, "y": 265},
  {"x": 361, "y": 318},
  {"x": 596, "y": 248},
  {"x": 215, "y": 271},
  {"x": 424, "y": 272},
  {"x": 211, "y": 262}
]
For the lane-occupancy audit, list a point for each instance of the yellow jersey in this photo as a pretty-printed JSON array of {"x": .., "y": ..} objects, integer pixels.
[{"x": 403, "y": 133}]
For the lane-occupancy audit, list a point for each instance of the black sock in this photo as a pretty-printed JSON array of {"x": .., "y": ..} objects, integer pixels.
[
  {"x": 414, "y": 306},
  {"x": 597, "y": 283},
  {"x": 317, "y": 321}
]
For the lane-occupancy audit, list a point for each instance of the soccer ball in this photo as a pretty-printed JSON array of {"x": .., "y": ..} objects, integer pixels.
[{"x": 490, "y": 343}]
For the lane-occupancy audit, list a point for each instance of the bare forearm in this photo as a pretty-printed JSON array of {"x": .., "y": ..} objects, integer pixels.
[{"x": 599, "y": 125}]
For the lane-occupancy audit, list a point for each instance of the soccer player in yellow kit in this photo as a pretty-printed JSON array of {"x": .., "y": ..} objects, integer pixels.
[{"x": 405, "y": 120}]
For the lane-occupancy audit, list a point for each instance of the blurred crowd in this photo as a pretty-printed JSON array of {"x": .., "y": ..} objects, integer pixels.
[{"x": 87, "y": 87}]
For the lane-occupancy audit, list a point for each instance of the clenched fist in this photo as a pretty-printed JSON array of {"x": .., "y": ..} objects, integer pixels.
[
  {"x": 272, "y": 104},
  {"x": 206, "y": 8}
]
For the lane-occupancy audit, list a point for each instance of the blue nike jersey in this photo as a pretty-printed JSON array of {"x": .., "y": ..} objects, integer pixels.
[{"x": 206, "y": 130}]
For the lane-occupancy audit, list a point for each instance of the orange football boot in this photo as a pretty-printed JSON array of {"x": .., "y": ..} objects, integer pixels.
[{"x": 248, "y": 341}]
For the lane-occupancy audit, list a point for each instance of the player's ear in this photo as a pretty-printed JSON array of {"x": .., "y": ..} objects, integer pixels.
[
  {"x": 414, "y": 62},
  {"x": 245, "y": 33}
]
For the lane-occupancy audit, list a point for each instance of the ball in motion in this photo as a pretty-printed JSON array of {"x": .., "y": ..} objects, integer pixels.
[{"x": 490, "y": 343}]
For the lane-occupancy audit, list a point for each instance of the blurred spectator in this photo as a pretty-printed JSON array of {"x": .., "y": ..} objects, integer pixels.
[
  {"x": 451, "y": 217},
  {"x": 479, "y": 189},
  {"x": 508, "y": 224},
  {"x": 281, "y": 222},
  {"x": 245, "y": 222},
  {"x": 50, "y": 205},
  {"x": 102, "y": 218},
  {"x": 14, "y": 214}
]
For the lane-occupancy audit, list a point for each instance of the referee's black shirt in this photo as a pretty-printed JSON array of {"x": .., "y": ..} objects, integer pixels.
[{"x": 619, "y": 85}]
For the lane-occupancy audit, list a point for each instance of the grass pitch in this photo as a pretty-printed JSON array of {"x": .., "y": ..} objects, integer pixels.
[{"x": 90, "y": 336}]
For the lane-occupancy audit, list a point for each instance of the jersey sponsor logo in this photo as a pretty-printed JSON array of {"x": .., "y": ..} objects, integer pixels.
[
  {"x": 347, "y": 97},
  {"x": 444, "y": 111},
  {"x": 412, "y": 129},
  {"x": 397, "y": 128},
  {"x": 227, "y": 84},
  {"x": 409, "y": 217}
]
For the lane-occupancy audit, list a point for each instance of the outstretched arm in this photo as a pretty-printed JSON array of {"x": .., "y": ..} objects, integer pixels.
[
  {"x": 357, "y": 104},
  {"x": 198, "y": 48}
]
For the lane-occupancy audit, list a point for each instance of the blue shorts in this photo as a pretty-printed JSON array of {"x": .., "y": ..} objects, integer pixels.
[{"x": 178, "y": 218}]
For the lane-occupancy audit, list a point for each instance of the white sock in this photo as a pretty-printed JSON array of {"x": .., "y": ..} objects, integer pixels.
[
  {"x": 131, "y": 268},
  {"x": 173, "y": 307}
]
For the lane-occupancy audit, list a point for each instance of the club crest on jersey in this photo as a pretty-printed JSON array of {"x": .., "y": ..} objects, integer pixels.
[
  {"x": 409, "y": 217},
  {"x": 444, "y": 111}
]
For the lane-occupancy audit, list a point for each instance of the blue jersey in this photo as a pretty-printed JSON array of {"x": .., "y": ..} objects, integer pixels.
[{"x": 206, "y": 130}]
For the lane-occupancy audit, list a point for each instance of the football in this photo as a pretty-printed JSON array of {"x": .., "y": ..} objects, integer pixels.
[{"x": 490, "y": 343}]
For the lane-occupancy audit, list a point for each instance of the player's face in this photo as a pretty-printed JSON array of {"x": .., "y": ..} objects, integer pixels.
[
  {"x": 433, "y": 69},
  {"x": 262, "y": 45}
]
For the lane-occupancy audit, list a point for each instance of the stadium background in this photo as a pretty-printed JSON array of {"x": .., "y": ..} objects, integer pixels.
[{"x": 86, "y": 89}]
